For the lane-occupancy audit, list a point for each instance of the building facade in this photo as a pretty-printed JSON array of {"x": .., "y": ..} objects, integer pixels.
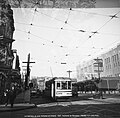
[
  {"x": 7, "y": 73},
  {"x": 110, "y": 66}
]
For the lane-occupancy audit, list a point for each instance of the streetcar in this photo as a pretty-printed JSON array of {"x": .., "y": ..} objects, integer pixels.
[{"x": 58, "y": 87}]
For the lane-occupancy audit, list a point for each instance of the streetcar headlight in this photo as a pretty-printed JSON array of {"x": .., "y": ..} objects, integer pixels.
[{"x": 69, "y": 93}]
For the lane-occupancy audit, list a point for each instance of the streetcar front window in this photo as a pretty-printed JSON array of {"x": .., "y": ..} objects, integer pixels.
[
  {"x": 58, "y": 85},
  {"x": 69, "y": 84},
  {"x": 64, "y": 84}
]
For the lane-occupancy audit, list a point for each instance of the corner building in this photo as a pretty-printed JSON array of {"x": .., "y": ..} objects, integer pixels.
[
  {"x": 111, "y": 65},
  {"x": 7, "y": 73}
]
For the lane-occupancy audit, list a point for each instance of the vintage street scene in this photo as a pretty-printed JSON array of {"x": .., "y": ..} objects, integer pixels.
[{"x": 60, "y": 59}]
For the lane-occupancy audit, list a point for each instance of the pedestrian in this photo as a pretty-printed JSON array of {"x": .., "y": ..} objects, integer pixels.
[
  {"x": 12, "y": 96},
  {"x": 7, "y": 97},
  {"x": 101, "y": 94}
]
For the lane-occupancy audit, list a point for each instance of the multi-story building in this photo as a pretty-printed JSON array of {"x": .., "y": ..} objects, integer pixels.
[
  {"x": 111, "y": 63},
  {"x": 109, "y": 68},
  {"x": 7, "y": 73}
]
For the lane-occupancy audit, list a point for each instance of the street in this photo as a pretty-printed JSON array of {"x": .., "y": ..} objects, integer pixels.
[{"x": 75, "y": 107}]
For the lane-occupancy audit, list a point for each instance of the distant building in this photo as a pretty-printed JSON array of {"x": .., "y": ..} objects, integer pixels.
[
  {"x": 41, "y": 83},
  {"x": 74, "y": 80},
  {"x": 111, "y": 62},
  {"x": 34, "y": 81},
  {"x": 109, "y": 83},
  {"x": 109, "y": 68},
  {"x": 38, "y": 83}
]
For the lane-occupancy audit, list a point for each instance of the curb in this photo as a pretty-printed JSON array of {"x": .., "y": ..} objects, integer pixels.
[
  {"x": 100, "y": 100},
  {"x": 16, "y": 108}
]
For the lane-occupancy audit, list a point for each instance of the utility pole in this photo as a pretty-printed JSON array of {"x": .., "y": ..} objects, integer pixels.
[
  {"x": 99, "y": 64},
  {"x": 69, "y": 71},
  {"x": 28, "y": 71}
]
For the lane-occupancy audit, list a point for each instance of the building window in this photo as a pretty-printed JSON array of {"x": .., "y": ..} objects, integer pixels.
[
  {"x": 114, "y": 64},
  {"x": 110, "y": 66},
  {"x": 109, "y": 59},
  {"x": 58, "y": 85},
  {"x": 112, "y": 58},
  {"x": 117, "y": 57},
  {"x": 118, "y": 63},
  {"x": 106, "y": 67}
]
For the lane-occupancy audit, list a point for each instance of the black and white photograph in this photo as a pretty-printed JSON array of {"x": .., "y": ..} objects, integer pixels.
[{"x": 59, "y": 58}]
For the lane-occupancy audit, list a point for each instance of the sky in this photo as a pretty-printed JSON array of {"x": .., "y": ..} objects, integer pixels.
[{"x": 53, "y": 36}]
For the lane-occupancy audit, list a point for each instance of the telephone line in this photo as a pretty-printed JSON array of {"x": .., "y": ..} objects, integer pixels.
[{"x": 93, "y": 33}]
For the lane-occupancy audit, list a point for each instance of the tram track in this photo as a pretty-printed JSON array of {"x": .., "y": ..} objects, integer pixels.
[
  {"x": 69, "y": 107},
  {"x": 92, "y": 110},
  {"x": 89, "y": 110},
  {"x": 102, "y": 112}
]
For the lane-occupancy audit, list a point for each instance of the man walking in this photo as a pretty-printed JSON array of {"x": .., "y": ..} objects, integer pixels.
[{"x": 12, "y": 96}]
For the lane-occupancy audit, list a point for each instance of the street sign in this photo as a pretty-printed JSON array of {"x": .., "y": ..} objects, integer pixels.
[
  {"x": 98, "y": 59},
  {"x": 98, "y": 65},
  {"x": 98, "y": 71},
  {"x": 95, "y": 64}
]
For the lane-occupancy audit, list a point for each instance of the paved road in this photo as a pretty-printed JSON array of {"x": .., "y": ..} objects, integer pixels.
[
  {"x": 69, "y": 110},
  {"x": 77, "y": 108}
]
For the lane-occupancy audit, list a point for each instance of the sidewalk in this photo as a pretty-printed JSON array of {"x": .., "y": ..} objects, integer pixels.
[
  {"x": 16, "y": 107},
  {"x": 108, "y": 100},
  {"x": 19, "y": 104}
]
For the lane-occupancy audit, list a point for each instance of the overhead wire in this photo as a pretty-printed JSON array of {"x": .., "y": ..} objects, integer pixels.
[
  {"x": 96, "y": 32},
  {"x": 75, "y": 29},
  {"x": 114, "y": 16},
  {"x": 101, "y": 26},
  {"x": 39, "y": 36},
  {"x": 29, "y": 32},
  {"x": 58, "y": 19},
  {"x": 93, "y": 13},
  {"x": 43, "y": 39},
  {"x": 62, "y": 28},
  {"x": 81, "y": 30},
  {"x": 71, "y": 30}
]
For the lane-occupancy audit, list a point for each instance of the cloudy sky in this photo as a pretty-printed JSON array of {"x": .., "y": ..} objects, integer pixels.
[{"x": 71, "y": 36}]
